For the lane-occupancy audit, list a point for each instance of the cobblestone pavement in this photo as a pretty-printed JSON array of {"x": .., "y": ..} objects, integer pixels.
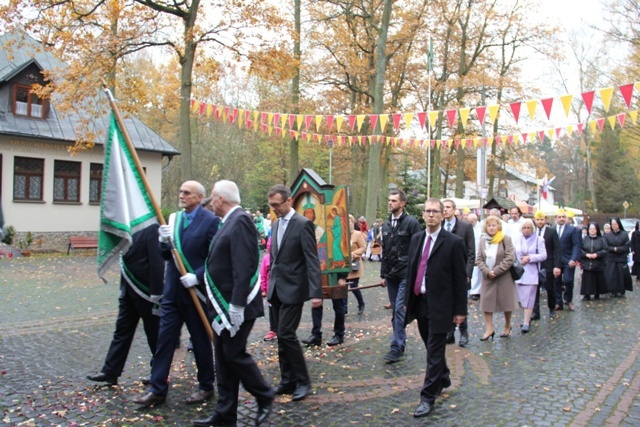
[{"x": 57, "y": 320}]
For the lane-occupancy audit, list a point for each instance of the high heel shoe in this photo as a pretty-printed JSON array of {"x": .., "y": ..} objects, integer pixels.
[
  {"x": 488, "y": 336},
  {"x": 507, "y": 334}
]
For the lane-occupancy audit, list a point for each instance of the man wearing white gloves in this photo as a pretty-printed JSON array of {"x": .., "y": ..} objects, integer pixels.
[
  {"x": 231, "y": 273},
  {"x": 191, "y": 231}
]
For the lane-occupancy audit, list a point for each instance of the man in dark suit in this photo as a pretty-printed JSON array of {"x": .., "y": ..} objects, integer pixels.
[
  {"x": 141, "y": 283},
  {"x": 234, "y": 293},
  {"x": 436, "y": 295},
  {"x": 191, "y": 230},
  {"x": 552, "y": 265},
  {"x": 570, "y": 245},
  {"x": 294, "y": 278},
  {"x": 465, "y": 230}
]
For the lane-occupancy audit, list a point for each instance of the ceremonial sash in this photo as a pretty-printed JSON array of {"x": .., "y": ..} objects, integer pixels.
[
  {"x": 221, "y": 305},
  {"x": 138, "y": 287},
  {"x": 175, "y": 222}
]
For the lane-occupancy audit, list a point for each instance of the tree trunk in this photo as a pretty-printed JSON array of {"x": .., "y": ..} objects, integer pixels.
[{"x": 374, "y": 189}]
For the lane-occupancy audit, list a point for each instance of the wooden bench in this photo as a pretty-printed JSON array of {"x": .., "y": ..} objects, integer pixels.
[{"x": 82, "y": 242}]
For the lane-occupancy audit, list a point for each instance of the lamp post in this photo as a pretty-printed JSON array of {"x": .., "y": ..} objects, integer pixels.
[
  {"x": 330, "y": 161},
  {"x": 482, "y": 162}
]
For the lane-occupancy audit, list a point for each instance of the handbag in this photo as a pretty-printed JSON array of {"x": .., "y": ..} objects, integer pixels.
[
  {"x": 542, "y": 273},
  {"x": 516, "y": 270},
  {"x": 355, "y": 265}
]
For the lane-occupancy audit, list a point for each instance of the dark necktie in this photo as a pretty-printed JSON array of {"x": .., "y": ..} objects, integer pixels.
[
  {"x": 394, "y": 222},
  {"x": 185, "y": 221},
  {"x": 449, "y": 227},
  {"x": 422, "y": 268},
  {"x": 282, "y": 227}
]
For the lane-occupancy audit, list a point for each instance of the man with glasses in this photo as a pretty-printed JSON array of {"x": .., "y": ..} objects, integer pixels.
[
  {"x": 436, "y": 296},
  {"x": 396, "y": 235},
  {"x": 570, "y": 246},
  {"x": 294, "y": 278}
]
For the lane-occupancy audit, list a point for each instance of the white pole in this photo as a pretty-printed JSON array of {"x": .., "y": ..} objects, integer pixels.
[{"x": 429, "y": 62}]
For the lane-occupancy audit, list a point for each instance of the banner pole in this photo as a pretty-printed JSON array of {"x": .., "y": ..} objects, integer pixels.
[{"x": 156, "y": 208}]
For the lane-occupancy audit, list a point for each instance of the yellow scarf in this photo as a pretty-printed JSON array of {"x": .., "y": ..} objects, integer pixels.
[{"x": 497, "y": 238}]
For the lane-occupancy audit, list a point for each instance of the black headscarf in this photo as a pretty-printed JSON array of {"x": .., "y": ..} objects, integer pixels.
[{"x": 616, "y": 219}]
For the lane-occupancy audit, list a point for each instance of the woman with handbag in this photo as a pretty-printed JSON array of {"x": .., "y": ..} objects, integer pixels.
[
  {"x": 358, "y": 247},
  {"x": 531, "y": 252},
  {"x": 593, "y": 254},
  {"x": 495, "y": 257}
]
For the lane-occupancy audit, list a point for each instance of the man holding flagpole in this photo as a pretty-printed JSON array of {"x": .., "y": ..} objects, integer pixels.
[
  {"x": 231, "y": 274},
  {"x": 192, "y": 230}
]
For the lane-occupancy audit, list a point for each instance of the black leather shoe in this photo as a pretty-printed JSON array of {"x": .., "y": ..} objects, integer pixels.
[
  {"x": 213, "y": 421},
  {"x": 393, "y": 356},
  {"x": 146, "y": 381},
  {"x": 263, "y": 413},
  {"x": 423, "y": 409},
  {"x": 536, "y": 316},
  {"x": 312, "y": 340},
  {"x": 285, "y": 389},
  {"x": 301, "y": 392},
  {"x": 361, "y": 309},
  {"x": 101, "y": 377},
  {"x": 552, "y": 314},
  {"x": 335, "y": 340},
  {"x": 446, "y": 382},
  {"x": 199, "y": 396},
  {"x": 150, "y": 399},
  {"x": 451, "y": 338},
  {"x": 464, "y": 338}
]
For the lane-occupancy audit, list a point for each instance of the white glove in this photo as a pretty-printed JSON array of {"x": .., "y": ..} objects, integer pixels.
[
  {"x": 236, "y": 315},
  {"x": 164, "y": 233},
  {"x": 156, "y": 299},
  {"x": 189, "y": 280}
]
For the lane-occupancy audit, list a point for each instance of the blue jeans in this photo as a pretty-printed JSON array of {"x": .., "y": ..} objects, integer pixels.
[{"x": 396, "y": 290}]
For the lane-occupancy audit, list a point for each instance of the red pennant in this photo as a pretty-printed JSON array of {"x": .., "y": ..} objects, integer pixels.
[
  {"x": 558, "y": 132},
  {"x": 547, "y": 103},
  {"x": 373, "y": 121},
  {"x": 621, "y": 118},
  {"x": 541, "y": 135},
  {"x": 497, "y": 140},
  {"x": 352, "y": 121},
  {"x": 510, "y": 139},
  {"x": 192, "y": 103},
  {"x": 307, "y": 121},
  {"x": 422, "y": 118},
  {"x": 316, "y": 137},
  {"x": 587, "y": 97},
  {"x": 456, "y": 142},
  {"x": 451, "y": 117},
  {"x": 292, "y": 120},
  {"x": 276, "y": 119},
  {"x": 226, "y": 112},
  {"x": 203, "y": 108},
  {"x": 485, "y": 141},
  {"x": 433, "y": 143},
  {"x": 216, "y": 112},
  {"x": 481, "y": 112},
  {"x": 330, "y": 120},
  {"x": 232, "y": 116},
  {"x": 524, "y": 137},
  {"x": 469, "y": 142},
  {"x": 600, "y": 123},
  {"x": 627, "y": 93},
  {"x": 580, "y": 128},
  {"x": 515, "y": 109},
  {"x": 396, "y": 120},
  {"x": 264, "y": 128},
  {"x": 304, "y": 135},
  {"x": 400, "y": 141},
  {"x": 326, "y": 139},
  {"x": 292, "y": 133},
  {"x": 263, "y": 118},
  {"x": 278, "y": 131},
  {"x": 248, "y": 123},
  {"x": 247, "y": 115}
]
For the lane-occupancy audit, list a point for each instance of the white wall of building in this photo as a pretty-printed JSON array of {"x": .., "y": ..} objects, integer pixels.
[{"x": 50, "y": 216}]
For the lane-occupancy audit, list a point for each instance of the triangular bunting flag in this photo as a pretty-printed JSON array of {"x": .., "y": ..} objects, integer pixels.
[
  {"x": 532, "y": 136},
  {"x": 612, "y": 121},
  {"x": 464, "y": 115},
  {"x": 276, "y": 119},
  {"x": 531, "y": 107},
  {"x": 566, "y": 103},
  {"x": 318, "y": 122},
  {"x": 396, "y": 120},
  {"x": 541, "y": 135},
  {"x": 570, "y": 130},
  {"x": 634, "y": 116},
  {"x": 307, "y": 122},
  {"x": 551, "y": 134},
  {"x": 422, "y": 119},
  {"x": 451, "y": 116},
  {"x": 515, "y": 109},
  {"x": 330, "y": 120},
  {"x": 587, "y": 97},
  {"x": 292, "y": 120},
  {"x": 627, "y": 93},
  {"x": 524, "y": 138},
  {"x": 558, "y": 130},
  {"x": 299, "y": 121},
  {"x": 547, "y": 103},
  {"x": 593, "y": 126},
  {"x": 493, "y": 112},
  {"x": 606, "y": 95},
  {"x": 373, "y": 121},
  {"x": 383, "y": 122},
  {"x": 269, "y": 119},
  {"x": 352, "y": 121},
  {"x": 339, "y": 120},
  {"x": 360, "y": 120},
  {"x": 283, "y": 121},
  {"x": 480, "y": 112},
  {"x": 580, "y": 127},
  {"x": 600, "y": 122},
  {"x": 433, "y": 118},
  {"x": 407, "y": 120}
]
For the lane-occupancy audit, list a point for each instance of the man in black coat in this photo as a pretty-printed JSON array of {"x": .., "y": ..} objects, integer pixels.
[
  {"x": 436, "y": 296},
  {"x": 551, "y": 265},
  {"x": 570, "y": 246},
  {"x": 465, "y": 230},
  {"x": 141, "y": 284},
  {"x": 234, "y": 292},
  {"x": 293, "y": 279}
]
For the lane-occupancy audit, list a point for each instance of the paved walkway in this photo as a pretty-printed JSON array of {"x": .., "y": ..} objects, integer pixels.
[{"x": 57, "y": 318}]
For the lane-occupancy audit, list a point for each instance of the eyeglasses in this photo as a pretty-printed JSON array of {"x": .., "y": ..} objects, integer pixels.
[
  {"x": 432, "y": 211},
  {"x": 277, "y": 205}
]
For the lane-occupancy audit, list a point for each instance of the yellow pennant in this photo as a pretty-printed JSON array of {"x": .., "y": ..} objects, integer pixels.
[
  {"x": 438, "y": 143},
  {"x": 309, "y": 136},
  {"x": 270, "y": 130},
  {"x": 634, "y": 115},
  {"x": 504, "y": 139},
  {"x": 296, "y": 135},
  {"x": 606, "y": 94},
  {"x": 612, "y": 121},
  {"x": 532, "y": 136},
  {"x": 318, "y": 122},
  {"x": 269, "y": 118},
  {"x": 531, "y": 107},
  {"x": 493, "y": 112},
  {"x": 551, "y": 133},
  {"x": 283, "y": 121},
  {"x": 255, "y": 124},
  {"x": 360, "y": 120},
  {"x": 240, "y": 117},
  {"x": 256, "y": 113},
  {"x": 407, "y": 119},
  {"x": 339, "y": 120},
  {"x": 570, "y": 130},
  {"x": 476, "y": 142},
  {"x": 384, "y": 118},
  {"x": 592, "y": 126},
  {"x": 490, "y": 141},
  {"x": 359, "y": 139},
  {"x": 433, "y": 118},
  {"x": 209, "y": 110},
  {"x": 196, "y": 106},
  {"x": 299, "y": 120},
  {"x": 566, "y": 103},
  {"x": 464, "y": 115},
  {"x": 516, "y": 138}
]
